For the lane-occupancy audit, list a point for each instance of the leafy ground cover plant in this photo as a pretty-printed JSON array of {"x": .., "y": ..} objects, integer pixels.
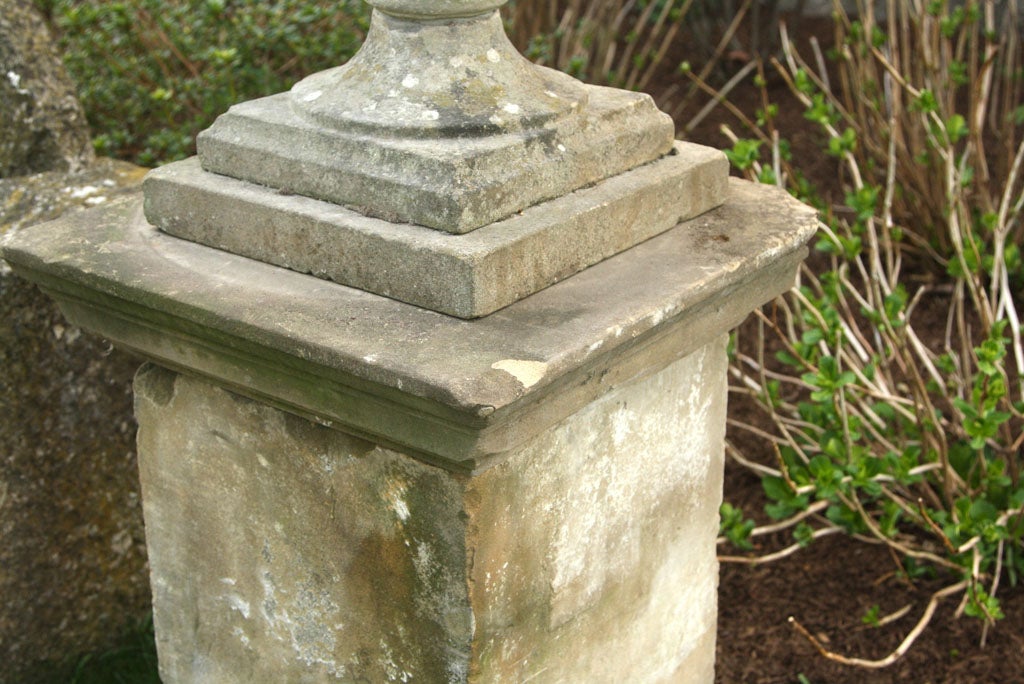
[
  {"x": 882, "y": 432},
  {"x": 151, "y": 74}
]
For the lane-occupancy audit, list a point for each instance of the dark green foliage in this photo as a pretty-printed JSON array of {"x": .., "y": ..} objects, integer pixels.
[
  {"x": 132, "y": 661},
  {"x": 153, "y": 73}
]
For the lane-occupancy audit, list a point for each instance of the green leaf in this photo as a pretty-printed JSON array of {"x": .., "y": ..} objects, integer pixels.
[
  {"x": 785, "y": 501},
  {"x": 788, "y": 359},
  {"x": 884, "y": 411},
  {"x": 982, "y": 511},
  {"x": 839, "y": 146},
  {"x": 846, "y": 518},
  {"x": 925, "y": 102},
  {"x": 803, "y": 82},
  {"x": 956, "y": 128},
  {"x": 776, "y": 488},
  {"x": 864, "y": 201},
  {"x": 803, "y": 534},
  {"x": 812, "y": 336},
  {"x": 744, "y": 153},
  {"x": 735, "y": 527},
  {"x": 821, "y": 111},
  {"x": 966, "y": 408},
  {"x": 982, "y": 606}
]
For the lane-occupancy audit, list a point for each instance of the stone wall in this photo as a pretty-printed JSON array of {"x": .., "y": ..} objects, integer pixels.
[
  {"x": 42, "y": 125},
  {"x": 72, "y": 555}
]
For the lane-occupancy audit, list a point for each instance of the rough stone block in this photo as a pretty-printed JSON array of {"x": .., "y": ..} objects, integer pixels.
[
  {"x": 437, "y": 123},
  {"x": 282, "y": 550},
  {"x": 454, "y": 185}
]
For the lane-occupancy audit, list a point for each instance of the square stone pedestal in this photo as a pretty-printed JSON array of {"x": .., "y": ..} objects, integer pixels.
[
  {"x": 282, "y": 550},
  {"x": 342, "y": 487}
]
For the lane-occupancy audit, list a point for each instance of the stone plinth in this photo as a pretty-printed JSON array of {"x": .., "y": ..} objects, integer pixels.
[
  {"x": 283, "y": 550},
  {"x": 532, "y": 494},
  {"x": 455, "y": 392},
  {"x": 339, "y": 485},
  {"x": 438, "y": 123}
]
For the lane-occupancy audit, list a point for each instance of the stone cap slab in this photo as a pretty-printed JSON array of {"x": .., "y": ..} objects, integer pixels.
[
  {"x": 457, "y": 393},
  {"x": 467, "y": 275}
]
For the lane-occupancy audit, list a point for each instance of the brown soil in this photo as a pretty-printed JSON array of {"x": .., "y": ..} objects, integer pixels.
[{"x": 829, "y": 586}]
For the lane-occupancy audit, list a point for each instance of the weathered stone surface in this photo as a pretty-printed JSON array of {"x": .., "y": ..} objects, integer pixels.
[
  {"x": 282, "y": 551},
  {"x": 468, "y": 275},
  {"x": 598, "y": 535},
  {"x": 439, "y": 123},
  {"x": 437, "y": 8},
  {"x": 72, "y": 557},
  {"x": 454, "y": 392},
  {"x": 285, "y": 551},
  {"x": 28, "y": 200},
  {"x": 431, "y": 77},
  {"x": 42, "y": 125}
]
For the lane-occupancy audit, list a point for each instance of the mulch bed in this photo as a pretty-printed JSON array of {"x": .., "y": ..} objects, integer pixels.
[{"x": 828, "y": 587}]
